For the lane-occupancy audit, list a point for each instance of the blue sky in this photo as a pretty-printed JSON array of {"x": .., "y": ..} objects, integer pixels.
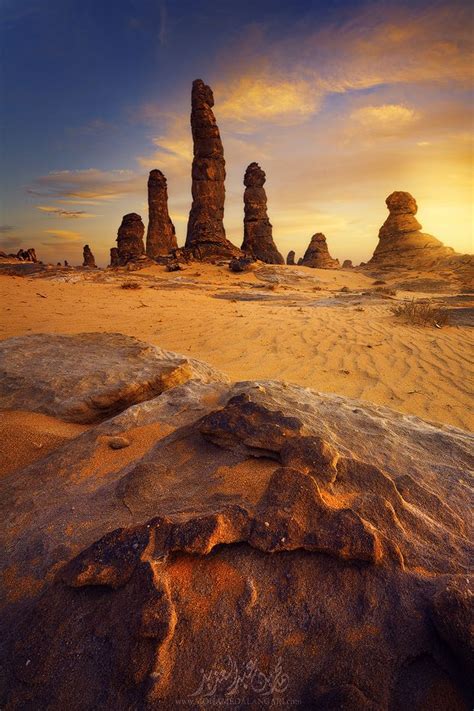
[{"x": 341, "y": 103}]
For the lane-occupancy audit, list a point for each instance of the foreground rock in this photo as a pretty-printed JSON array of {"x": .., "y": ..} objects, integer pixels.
[
  {"x": 206, "y": 234},
  {"x": 266, "y": 542},
  {"x": 258, "y": 241},
  {"x": 88, "y": 258},
  {"x": 317, "y": 255},
  {"x": 402, "y": 245},
  {"x": 161, "y": 235},
  {"x": 87, "y": 377},
  {"x": 130, "y": 239}
]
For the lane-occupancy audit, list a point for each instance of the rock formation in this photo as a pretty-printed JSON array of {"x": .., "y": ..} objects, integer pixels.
[
  {"x": 114, "y": 257},
  {"x": 247, "y": 541},
  {"x": 27, "y": 255},
  {"x": 206, "y": 234},
  {"x": 290, "y": 259},
  {"x": 258, "y": 241},
  {"x": 403, "y": 246},
  {"x": 161, "y": 235},
  {"x": 88, "y": 257},
  {"x": 317, "y": 255},
  {"x": 347, "y": 264},
  {"x": 130, "y": 238}
]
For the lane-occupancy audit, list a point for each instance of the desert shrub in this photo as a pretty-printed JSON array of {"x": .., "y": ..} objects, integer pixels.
[
  {"x": 421, "y": 313},
  {"x": 130, "y": 285}
]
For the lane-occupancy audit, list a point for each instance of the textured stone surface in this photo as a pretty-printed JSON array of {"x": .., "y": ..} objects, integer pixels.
[
  {"x": 258, "y": 241},
  {"x": 206, "y": 234},
  {"x": 114, "y": 257},
  {"x": 161, "y": 235},
  {"x": 402, "y": 245},
  {"x": 130, "y": 238},
  {"x": 27, "y": 255},
  {"x": 262, "y": 543},
  {"x": 88, "y": 257},
  {"x": 86, "y": 377},
  {"x": 290, "y": 258},
  {"x": 347, "y": 264},
  {"x": 317, "y": 254}
]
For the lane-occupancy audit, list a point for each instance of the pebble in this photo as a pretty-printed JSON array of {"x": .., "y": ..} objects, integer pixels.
[{"x": 119, "y": 442}]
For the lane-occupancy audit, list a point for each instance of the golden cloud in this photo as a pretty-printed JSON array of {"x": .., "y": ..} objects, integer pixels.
[
  {"x": 66, "y": 235},
  {"x": 68, "y": 214}
]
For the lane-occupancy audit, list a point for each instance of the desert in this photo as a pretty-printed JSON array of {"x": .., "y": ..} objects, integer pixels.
[{"x": 235, "y": 472}]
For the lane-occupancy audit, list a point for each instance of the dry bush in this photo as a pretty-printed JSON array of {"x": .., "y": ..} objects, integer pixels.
[
  {"x": 130, "y": 285},
  {"x": 421, "y": 313}
]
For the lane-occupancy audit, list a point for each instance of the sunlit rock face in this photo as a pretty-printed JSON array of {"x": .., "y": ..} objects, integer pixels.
[
  {"x": 206, "y": 234},
  {"x": 317, "y": 255},
  {"x": 402, "y": 245},
  {"x": 88, "y": 257},
  {"x": 161, "y": 235},
  {"x": 258, "y": 240},
  {"x": 259, "y": 539},
  {"x": 130, "y": 238}
]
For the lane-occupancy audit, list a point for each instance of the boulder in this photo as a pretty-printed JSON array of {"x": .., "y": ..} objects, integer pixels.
[
  {"x": 258, "y": 241},
  {"x": 317, "y": 254},
  {"x": 347, "y": 264},
  {"x": 206, "y": 234},
  {"x": 161, "y": 235},
  {"x": 114, "y": 257},
  {"x": 290, "y": 259}
]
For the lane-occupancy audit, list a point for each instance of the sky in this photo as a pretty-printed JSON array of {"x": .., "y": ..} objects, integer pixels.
[{"x": 340, "y": 102}]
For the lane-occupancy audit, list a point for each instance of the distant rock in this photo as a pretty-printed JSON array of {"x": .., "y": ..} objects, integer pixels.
[
  {"x": 258, "y": 241},
  {"x": 114, "y": 257},
  {"x": 27, "y": 255},
  {"x": 161, "y": 235},
  {"x": 290, "y": 258},
  {"x": 206, "y": 234},
  {"x": 88, "y": 257},
  {"x": 347, "y": 264},
  {"x": 241, "y": 264},
  {"x": 130, "y": 238},
  {"x": 317, "y": 255},
  {"x": 403, "y": 246},
  {"x": 266, "y": 541}
]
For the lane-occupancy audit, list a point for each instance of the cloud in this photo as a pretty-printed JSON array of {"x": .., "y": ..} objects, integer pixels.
[
  {"x": 385, "y": 118},
  {"x": 62, "y": 236},
  {"x": 91, "y": 184},
  {"x": 6, "y": 228},
  {"x": 68, "y": 214}
]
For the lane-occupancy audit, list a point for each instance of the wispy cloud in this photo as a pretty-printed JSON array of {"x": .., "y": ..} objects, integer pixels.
[
  {"x": 91, "y": 184},
  {"x": 68, "y": 214},
  {"x": 6, "y": 228},
  {"x": 61, "y": 236}
]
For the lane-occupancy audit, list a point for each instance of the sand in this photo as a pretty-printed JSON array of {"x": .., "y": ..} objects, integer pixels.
[{"x": 304, "y": 331}]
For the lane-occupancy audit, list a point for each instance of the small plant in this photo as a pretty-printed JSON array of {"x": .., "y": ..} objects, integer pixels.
[
  {"x": 130, "y": 285},
  {"x": 421, "y": 313}
]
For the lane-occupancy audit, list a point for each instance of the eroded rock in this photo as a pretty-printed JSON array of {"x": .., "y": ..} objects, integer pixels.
[
  {"x": 258, "y": 240},
  {"x": 161, "y": 235},
  {"x": 130, "y": 238},
  {"x": 317, "y": 254},
  {"x": 290, "y": 259},
  {"x": 88, "y": 257}
]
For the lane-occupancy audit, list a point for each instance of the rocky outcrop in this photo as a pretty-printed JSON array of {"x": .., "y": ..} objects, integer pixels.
[
  {"x": 206, "y": 234},
  {"x": 317, "y": 255},
  {"x": 241, "y": 264},
  {"x": 347, "y": 264},
  {"x": 258, "y": 241},
  {"x": 27, "y": 255},
  {"x": 130, "y": 238},
  {"x": 88, "y": 257},
  {"x": 114, "y": 257},
  {"x": 161, "y": 235},
  {"x": 402, "y": 245},
  {"x": 290, "y": 259},
  {"x": 186, "y": 563}
]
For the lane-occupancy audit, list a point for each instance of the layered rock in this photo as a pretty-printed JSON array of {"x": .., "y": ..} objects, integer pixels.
[
  {"x": 114, "y": 257},
  {"x": 290, "y": 258},
  {"x": 206, "y": 234},
  {"x": 186, "y": 563},
  {"x": 347, "y": 264},
  {"x": 130, "y": 238},
  {"x": 88, "y": 257},
  {"x": 317, "y": 254},
  {"x": 402, "y": 245},
  {"x": 258, "y": 241},
  {"x": 161, "y": 235},
  {"x": 27, "y": 255}
]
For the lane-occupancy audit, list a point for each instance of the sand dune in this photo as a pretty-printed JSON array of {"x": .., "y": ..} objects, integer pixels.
[{"x": 302, "y": 330}]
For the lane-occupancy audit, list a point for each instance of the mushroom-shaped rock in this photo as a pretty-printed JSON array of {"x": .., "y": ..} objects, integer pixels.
[
  {"x": 206, "y": 234},
  {"x": 258, "y": 240},
  {"x": 161, "y": 235},
  {"x": 130, "y": 238},
  {"x": 317, "y": 255}
]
